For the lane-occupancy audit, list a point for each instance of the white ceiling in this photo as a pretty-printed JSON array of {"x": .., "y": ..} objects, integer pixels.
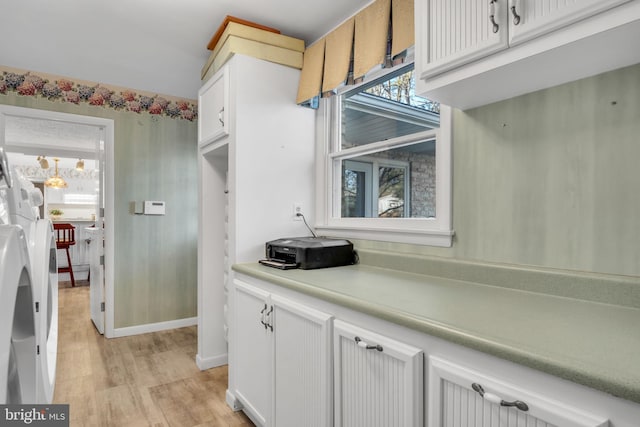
[{"x": 152, "y": 45}]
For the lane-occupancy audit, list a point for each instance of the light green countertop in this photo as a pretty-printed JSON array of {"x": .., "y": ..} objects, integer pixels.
[{"x": 587, "y": 342}]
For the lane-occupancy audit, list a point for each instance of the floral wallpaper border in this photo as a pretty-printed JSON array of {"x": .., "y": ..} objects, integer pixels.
[{"x": 27, "y": 83}]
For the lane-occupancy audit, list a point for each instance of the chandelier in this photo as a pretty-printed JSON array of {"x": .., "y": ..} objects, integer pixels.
[{"x": 56, "y": 181}]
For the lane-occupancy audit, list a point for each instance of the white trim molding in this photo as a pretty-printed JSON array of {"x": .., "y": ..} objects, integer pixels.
[{"x": 154, "y": 327}]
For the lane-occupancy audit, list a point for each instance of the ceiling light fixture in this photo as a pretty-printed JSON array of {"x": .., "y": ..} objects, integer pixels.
[
  {"x": 44, "y": 163},
  {"x": 80, "y": 165},
  {"x": 56, "y": 181}
]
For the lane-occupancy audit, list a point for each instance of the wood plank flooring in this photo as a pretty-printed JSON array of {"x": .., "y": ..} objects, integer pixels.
[{"x": 143, "y": 380}]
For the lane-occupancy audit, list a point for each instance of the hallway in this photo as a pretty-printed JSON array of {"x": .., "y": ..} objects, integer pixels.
[{"x": 143, "y": 380}]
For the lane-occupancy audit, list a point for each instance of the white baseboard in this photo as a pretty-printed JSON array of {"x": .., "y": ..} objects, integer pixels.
[
  {"x": 205, "y": 363},
  {"x": 233, "y": 402},
  {"x": 154, "y": 327}
]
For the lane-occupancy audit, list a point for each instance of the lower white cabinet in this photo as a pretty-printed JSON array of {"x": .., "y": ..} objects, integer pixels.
[
  {"x": 462, "y": 397},
  {"x": 378, "y": 382},
  {"x": 282, "y": 362}
]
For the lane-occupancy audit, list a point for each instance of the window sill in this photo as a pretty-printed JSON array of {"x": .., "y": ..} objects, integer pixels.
[{"x": 438, "y": 238}]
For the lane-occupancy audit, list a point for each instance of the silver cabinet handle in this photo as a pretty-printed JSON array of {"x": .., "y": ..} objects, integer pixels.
[
  {"x": 262, "y": 316},
  {"x": 364, "y": 344},
  {"x": 516, "y": 17},
  {"x": 221, "y": 116},
  {"x": 497, "y": 400},
  {"x": 268, "y": 317},
  {"x": 492, "y": 15}
]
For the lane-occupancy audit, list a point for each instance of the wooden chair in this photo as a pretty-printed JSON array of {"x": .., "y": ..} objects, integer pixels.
[{"x": 65, "y": 237}]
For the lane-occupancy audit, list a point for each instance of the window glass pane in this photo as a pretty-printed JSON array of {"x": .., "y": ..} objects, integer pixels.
[
  {"x": 402, "y": 179},
  {"x": 384, "y": 109},
  {"x": 391, "y": 185}
]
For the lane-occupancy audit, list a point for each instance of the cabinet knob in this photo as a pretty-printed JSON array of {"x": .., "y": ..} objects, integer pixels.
[
  {"x": 498, "y": 400},
  {"x": 364, "y": 344}
]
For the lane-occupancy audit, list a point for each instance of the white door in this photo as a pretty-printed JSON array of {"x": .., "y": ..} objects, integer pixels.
[
  {"x": 462, "y": 397},
  {"x": 453, "y": 33},
  {"x": 532, "y": 18},
  {"x": 96, "y": 248},
  {"x": 252, "y": 364},
  {"x": 378, "y": 382},
  {"x": 302, "y": 365}
]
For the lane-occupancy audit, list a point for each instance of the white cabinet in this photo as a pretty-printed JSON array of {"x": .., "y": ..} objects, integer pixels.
[
  {"x": 458, "y": 32},
  {"x": 459, "y": 396},
  {"x": 470, "y": 53},
  {"x": 213, "y": 108},
  {"x": 249, "y": 181},
  {"x": 377, "y": 382},
  {"x": 252, "y": 364},
  {"x": 527, "y": 19},
  {"x": 282, "y": 355}
]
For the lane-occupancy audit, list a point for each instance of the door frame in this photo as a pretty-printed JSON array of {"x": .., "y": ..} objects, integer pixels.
[{"x": 109, "y": 214}]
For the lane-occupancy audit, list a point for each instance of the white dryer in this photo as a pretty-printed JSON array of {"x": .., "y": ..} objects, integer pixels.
[
  {"x": 19, "y": 201},
  {"x": 44, "y": 268},
  {"x": 17, "y": 320}
]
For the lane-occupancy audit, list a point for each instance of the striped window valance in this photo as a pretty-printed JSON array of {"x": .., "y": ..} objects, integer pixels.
[{"x": 375, "y": 36}]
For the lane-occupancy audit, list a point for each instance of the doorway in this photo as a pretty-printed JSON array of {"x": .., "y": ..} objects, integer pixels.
[{"x": 74, "y": 138}]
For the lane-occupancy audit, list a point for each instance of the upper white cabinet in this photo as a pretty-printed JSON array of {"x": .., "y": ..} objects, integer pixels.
[
  {"x": 378, "y": 380},
  {"x": 528, "y": 19},
  {"x": 213, "y": 108},
  {"x": 464, "y": 397},
  {"x": 458, "y": 32},
  {"x": 471, "y": 53}
]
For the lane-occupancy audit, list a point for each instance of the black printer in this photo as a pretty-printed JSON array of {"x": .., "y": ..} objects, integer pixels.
[{"x": 308, "y": 253}]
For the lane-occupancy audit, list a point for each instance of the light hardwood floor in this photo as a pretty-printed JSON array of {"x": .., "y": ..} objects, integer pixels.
[{"x": 144, "y": 380}]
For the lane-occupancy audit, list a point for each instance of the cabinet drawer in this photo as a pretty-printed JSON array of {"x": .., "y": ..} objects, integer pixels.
[{"x": 462, "y": 397}]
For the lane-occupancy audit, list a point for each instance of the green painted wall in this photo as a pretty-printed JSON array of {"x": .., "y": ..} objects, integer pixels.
[
  {"x": 155, "y": 257},
  {"x": 551, "y": 179}
]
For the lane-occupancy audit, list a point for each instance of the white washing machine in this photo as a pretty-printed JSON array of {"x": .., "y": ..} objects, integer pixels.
[
  {"x": 19, "y": 201},
  {"x": 17, "y": 319}
]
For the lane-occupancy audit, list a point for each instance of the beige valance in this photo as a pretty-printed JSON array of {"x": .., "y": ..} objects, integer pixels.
[
  {"x": 372, "y": 30},
  {"x": 402, "y": 22},
  {"x": 363, "y": 39},
  {"x": 339, "y": 44},
  {"x": 311, "y": 75}
]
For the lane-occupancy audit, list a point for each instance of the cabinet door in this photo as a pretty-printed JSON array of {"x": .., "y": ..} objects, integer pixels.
[
  {"x": 213, "y": 108},
  {"x": 462, "y": 397},
  {"x": 252, "y": 362},
  {"x": 453, "y": 33},
  {"x": 302, "y": 365},
  {"x": 378, "y": 382},
  {"x": 531, "y": 18}
]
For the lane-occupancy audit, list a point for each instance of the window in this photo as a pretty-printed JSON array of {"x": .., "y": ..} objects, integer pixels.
[{"x": 386, "y": 169}]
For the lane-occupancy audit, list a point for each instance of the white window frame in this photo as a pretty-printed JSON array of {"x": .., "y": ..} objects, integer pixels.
[{"x": 436, "y": 231}]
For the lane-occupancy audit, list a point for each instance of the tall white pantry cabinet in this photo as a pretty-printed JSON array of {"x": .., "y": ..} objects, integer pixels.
[{"x": 255, "y": 161}]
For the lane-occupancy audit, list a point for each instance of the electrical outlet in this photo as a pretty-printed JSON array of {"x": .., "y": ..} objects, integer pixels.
[{"x": 297, "y": 209}]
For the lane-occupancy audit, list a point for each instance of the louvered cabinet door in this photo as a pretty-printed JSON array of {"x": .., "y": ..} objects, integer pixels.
[
  {"x": 378, "y": 382},
  {"x": 532, "y": 18},
  {"x": 302, "y": 365},
  {"x": 463, "y": 397},
  {"x": 450, "y": 33}
]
